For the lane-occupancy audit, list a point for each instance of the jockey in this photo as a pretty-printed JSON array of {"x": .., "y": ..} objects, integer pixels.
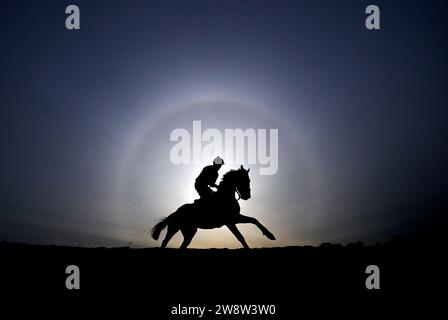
[{"x": 208, "y": 178}]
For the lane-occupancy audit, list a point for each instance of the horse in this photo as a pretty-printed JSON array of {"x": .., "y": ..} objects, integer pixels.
[{"x": 220, "y": 209}]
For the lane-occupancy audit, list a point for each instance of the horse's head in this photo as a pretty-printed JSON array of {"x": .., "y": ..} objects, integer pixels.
[
  {"x": 242, "y": 182},
  {"x": 236, "y": 180}
]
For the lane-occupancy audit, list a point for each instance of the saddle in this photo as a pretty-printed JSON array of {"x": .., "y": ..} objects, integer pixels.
[{"x": 206, "y": 201}]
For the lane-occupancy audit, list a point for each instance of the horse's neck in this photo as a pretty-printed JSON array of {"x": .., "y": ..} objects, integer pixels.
[{"x": 226, "y": 189}]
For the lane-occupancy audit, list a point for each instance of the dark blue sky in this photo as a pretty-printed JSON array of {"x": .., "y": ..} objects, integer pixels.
[{"x": 86, "y": 115}]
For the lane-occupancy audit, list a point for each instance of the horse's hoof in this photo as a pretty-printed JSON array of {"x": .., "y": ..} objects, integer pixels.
[{"x": 270, "y": 236}]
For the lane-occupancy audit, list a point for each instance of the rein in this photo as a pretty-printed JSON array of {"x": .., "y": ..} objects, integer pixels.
[{"x": 239, "y": 195}]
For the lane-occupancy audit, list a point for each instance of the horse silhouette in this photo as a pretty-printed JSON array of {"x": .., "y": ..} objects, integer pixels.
[{"x": 219, "y": 209}]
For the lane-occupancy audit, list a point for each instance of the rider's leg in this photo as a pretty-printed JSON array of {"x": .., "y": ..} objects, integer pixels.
[
  {"x": 238, "y": 235},
  {"x": 171, "y": 231},
  {"x": 203, "y": 190},
  {"x": 188, "y": 233},
  {"x": 246, "y": 219},
  {"x": 198, "y": 189}
]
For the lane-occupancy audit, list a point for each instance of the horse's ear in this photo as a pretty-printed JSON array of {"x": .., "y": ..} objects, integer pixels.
[
  {"x": 248, "y": 170},
  {"x": 241, "y": 168}
]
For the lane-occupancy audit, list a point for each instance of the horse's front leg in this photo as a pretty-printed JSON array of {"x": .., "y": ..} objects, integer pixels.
[
  {"x": 245, "y": 219},
  {"x": 238, "y": 235}
]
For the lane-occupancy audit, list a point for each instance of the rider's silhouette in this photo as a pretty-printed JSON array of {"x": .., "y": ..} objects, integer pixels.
[{"x": 208, "y": 178}]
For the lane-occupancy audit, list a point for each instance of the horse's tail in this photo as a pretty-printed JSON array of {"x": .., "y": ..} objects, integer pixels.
[
  {"x": 174, "y": 218},
  {"x": 155, "y": 231}
]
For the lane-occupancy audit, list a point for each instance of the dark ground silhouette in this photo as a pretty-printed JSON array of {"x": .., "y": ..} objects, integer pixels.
[{"x": 288, "y": 277}]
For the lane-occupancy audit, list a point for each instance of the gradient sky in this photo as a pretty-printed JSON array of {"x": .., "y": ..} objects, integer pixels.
[{"x": 86, "y": 116}]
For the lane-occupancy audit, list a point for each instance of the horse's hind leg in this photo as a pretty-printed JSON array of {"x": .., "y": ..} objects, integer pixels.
[
  {"x": 238, "y": 235},
  {"x": 171, "y": 231},
  {"x": 246, "y": 219},
  {"x": 188, "y": 233}
]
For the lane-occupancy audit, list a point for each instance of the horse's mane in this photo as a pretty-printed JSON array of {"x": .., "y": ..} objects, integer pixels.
[{"x": 227, "y": 176}]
